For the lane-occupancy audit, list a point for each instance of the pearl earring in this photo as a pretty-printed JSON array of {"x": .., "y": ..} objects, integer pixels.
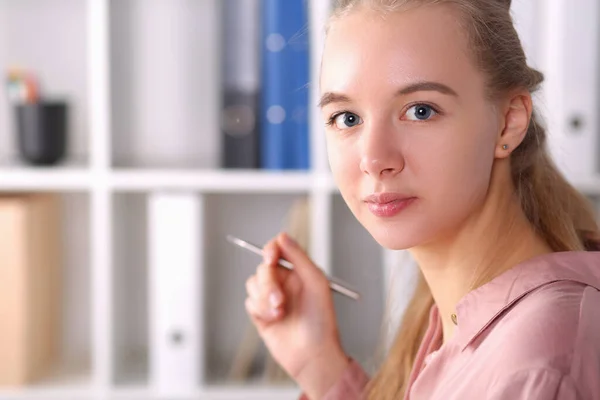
[{"x": 505, "y": 146}]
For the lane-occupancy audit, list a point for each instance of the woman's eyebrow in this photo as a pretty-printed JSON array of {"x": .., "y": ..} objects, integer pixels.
[
  {"x": 427, "y": 86},
  {"x": 332, "y": 97}
]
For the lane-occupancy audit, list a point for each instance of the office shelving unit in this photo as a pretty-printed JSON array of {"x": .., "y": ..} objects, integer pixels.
[{"x": 104, "y": 187}]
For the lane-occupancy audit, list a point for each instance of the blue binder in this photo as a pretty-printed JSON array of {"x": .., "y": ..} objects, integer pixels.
[{"x": 284, "y": 138}]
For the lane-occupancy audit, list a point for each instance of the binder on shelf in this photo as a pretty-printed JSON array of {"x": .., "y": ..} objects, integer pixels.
[
  {"x": 284, "y": 142},
  {"x": 30, "y": 294},
  {"x": 571, "y": 66},
  {"x": 241, "y": 83},
  {"x": 166, "y": 93},
  {"x": 174, "y": 246}
]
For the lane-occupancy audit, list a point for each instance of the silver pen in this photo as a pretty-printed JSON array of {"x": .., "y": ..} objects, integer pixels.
[{"x": 334, "y": 284}]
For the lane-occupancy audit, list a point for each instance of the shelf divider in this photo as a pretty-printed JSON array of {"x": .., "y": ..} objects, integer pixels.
[
  {"x": 320, "y": 228},
  {"x": 101, "y": 211}
]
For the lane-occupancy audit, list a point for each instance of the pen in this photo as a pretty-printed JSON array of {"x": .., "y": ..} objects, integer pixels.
[{"x": 334, "y": 284}]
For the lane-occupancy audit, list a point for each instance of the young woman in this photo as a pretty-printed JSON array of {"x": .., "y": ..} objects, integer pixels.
[{"x": 435, "y": 146}]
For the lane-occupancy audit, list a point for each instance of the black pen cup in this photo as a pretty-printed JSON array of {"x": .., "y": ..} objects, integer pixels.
[{"x": 42, "y": 131}]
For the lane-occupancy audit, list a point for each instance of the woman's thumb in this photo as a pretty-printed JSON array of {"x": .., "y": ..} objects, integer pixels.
[{"x": 291, "y": 251}]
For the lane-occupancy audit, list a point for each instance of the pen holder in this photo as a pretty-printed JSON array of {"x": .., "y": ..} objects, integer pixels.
[{"x": 42, "y": 131}]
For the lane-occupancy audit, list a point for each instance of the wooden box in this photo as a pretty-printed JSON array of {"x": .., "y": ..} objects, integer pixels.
[{"x": 30, "y": 276}]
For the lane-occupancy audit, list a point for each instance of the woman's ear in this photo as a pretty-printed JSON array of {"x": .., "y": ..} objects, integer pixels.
[{"x": 517, "y": 116}]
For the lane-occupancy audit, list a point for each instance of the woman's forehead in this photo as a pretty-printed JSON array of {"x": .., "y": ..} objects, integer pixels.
[{"x": 425, "y": 43}]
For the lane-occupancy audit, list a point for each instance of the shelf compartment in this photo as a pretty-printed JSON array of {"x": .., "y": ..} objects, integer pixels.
[
  {"x": 56, "y": 52},
  {"x": 71, "y": 364}
]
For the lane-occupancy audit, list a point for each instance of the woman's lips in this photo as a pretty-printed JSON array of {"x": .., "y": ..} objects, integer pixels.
[{"x": 391, "y": 208}]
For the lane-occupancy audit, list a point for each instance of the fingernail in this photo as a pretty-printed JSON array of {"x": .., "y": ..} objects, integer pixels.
[{"x": 275, "y": 299}]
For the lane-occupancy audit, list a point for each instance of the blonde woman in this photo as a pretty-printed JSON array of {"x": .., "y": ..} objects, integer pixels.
[{"x": 435, "y": 146}]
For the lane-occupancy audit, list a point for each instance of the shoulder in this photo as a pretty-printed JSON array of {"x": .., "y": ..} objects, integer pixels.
[{"x": 551, "y": 335}]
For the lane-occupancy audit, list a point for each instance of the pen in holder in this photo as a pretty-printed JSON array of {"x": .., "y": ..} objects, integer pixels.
[{"x": 42, "y": 131}]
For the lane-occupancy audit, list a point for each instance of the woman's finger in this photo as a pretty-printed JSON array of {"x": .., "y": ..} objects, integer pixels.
[
  {"x": 271, "y": 252},
  {"x": 252, "y": 287},
  {"x": 261, "y": 311},
  {"x": 272, "y": 255},
  {"x": 254, "y": 314},
  {"x": 268, "y": 284}
]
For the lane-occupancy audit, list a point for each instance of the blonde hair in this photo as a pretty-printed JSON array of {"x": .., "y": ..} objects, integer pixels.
[{"x": 555, "y": 209}]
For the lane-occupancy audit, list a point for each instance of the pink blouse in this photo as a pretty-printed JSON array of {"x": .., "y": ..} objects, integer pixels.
[{"x": 531, "y": 333}]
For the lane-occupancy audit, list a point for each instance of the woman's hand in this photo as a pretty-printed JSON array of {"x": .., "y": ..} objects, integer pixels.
[{"x": 294, "y": 314}]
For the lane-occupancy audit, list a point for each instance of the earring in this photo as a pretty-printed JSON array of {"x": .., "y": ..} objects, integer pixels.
[{"x": 505, "y": 146}]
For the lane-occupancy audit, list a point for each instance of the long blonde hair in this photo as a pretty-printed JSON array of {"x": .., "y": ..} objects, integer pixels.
[{"x": 555, "y": 209}]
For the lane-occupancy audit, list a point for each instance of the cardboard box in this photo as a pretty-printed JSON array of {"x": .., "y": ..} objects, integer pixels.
[{"x": 30, "y": 293}]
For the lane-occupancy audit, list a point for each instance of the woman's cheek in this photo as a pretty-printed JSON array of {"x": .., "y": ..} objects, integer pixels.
[
  {"x": 342, "y": 161},
  {"x": 333, "y": 155}
]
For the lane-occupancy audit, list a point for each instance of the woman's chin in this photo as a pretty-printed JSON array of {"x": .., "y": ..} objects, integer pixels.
[{"x": 394, "y": 239}]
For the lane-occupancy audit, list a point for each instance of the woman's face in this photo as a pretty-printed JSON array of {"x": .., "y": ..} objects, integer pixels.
[{"x": 407, "y": 115}]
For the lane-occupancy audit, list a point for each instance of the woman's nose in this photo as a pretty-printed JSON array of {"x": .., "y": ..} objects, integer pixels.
[{"x": 380, "y": 153}]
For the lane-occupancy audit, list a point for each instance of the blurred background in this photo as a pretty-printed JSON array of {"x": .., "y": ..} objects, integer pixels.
[{"x": 136, "y": 134}]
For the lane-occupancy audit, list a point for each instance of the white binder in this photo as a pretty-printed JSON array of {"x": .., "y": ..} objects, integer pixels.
[
  {"x": 570, "y": 63},
  {"x": 175, "y": 315},
  {"x": 165, "y": 70}
]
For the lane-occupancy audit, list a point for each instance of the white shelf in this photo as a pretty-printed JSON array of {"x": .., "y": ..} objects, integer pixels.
[
  {"x": 73, "y": 390},
  {"x": 64, "y": 391},
  {"x": 250, "y": 392},
  {"x": 48, "y": 393},
  {"x": 77, "y": 178},
  {"x": 247, "y": 392},
  {"x": 63, "y": 179},
  {"x": 228, "y": 392},
  {"x": 66, "y": 383},
  {"x": 219, "y": 180}
]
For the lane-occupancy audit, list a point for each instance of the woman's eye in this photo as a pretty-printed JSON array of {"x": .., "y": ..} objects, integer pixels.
[
  {"x": 420, "y": 112},
  {"x": 346, "y": 120}
]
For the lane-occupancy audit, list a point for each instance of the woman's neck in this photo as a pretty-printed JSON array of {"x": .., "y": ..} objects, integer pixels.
[{"x": 489, "y": 243}]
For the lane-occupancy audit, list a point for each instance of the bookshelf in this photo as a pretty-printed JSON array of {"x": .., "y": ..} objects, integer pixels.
[{"x": 113, "y": 168}]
